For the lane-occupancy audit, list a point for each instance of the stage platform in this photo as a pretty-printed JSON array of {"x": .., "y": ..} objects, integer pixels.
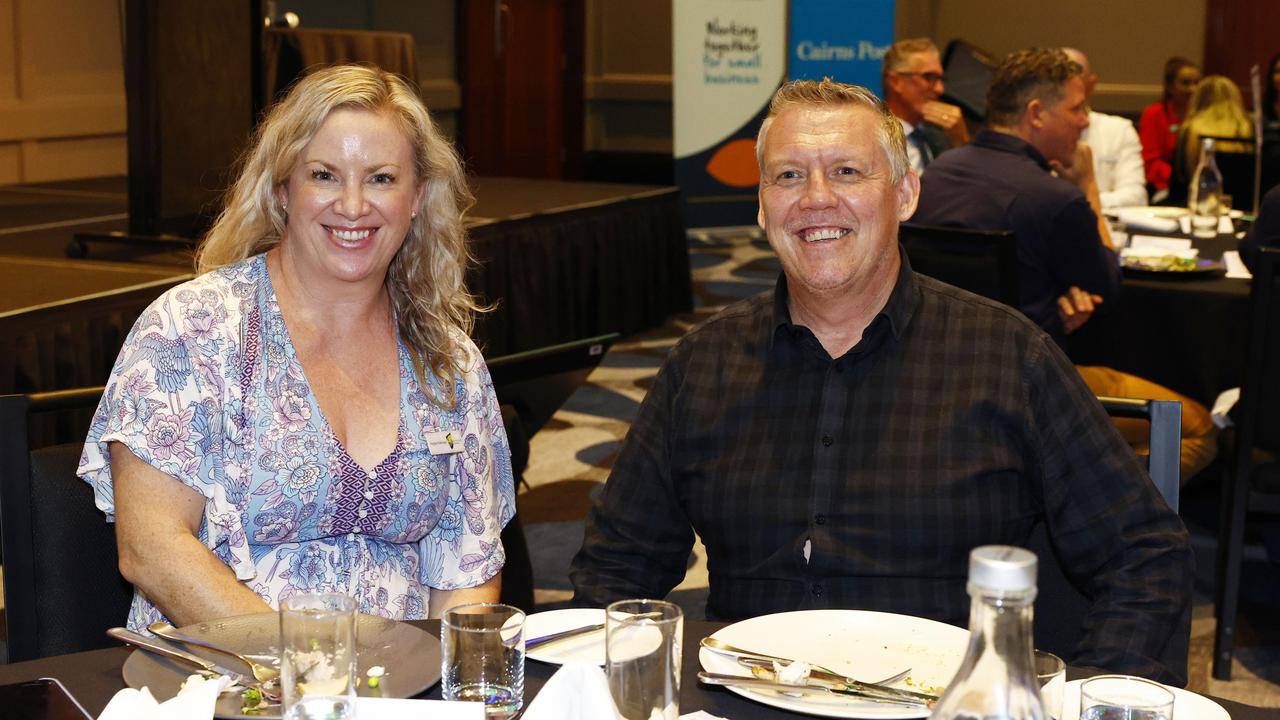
[{"x": 561, "y": 261}]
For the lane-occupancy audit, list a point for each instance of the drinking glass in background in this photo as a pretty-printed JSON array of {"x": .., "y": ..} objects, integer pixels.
[
  {"x": 1124, "y": 697},
  {"x": 1051, "y": 673},
  {"x": 483, "y": 657},
  {"x": 642, "y": 650},
  {"x": 318, "y": 657}
]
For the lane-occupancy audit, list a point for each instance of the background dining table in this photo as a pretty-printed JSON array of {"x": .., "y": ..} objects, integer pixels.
[
  {"x": 93, "y": 677},
  {"x": 1185, "y": 331}
]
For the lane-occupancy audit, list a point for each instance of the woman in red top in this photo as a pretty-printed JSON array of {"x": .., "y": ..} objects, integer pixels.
[{"x": 1158, "y": 128}]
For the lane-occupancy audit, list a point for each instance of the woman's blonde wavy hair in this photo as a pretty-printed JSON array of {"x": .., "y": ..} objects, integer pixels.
[
  {"x": 426, "y": 281},
  {"x": 1216, "y": 109}
]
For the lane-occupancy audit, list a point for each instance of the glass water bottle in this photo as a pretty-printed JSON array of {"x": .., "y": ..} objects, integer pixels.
[
  {"x": 997, "y": 680},
  {"x": 1205, "y": 193}
]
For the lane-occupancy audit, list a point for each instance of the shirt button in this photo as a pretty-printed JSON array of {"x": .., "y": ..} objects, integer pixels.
[
  {"x": 363, "y": 512},
  {"x": 373, "y": 474},
  {"x": 817, "y": 591},
  {"x": 368, "y": 494},
  {"x": 355, "y": 529},
  {"x": 820, "y": 519},
  {"x": 827, "y": 440}
]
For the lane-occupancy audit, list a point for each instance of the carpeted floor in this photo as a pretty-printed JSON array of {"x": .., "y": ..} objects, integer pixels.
[{"x": 573, "y": 454}]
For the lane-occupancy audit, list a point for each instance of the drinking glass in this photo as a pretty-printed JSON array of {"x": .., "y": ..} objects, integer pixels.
[
  {"x": 483, "y": 657},
  {"x": 1123, "y": 697},
  {"x": 1052, "y": 675},
  {"x": 318, "y": 657},
  {"x": 642, "y": 650}
]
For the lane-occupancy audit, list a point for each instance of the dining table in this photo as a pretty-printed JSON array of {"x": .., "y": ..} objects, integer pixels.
[
  {"x": 1185, "y": 331},
  {"x": 93, "y": 677}
]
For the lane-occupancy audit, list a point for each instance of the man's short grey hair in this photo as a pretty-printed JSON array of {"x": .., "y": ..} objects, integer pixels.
[
  {"x": 898, "y": 54},
  {"x": 829, "y": 93}
]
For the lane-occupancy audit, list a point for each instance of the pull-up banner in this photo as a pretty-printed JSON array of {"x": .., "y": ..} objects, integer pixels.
[
  {"x": 729, "y": 56},
  {"x": 844, "y": 40}
]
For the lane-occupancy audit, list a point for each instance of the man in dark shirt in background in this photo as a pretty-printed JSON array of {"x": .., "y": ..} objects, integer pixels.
[
  {"x": 845, "y": 440},
  {"x": 1036, "y": 109},
  {"x": 1028, "y": 173}
]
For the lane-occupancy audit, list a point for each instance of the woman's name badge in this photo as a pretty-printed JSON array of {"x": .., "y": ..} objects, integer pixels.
[{"x": 444, "y": 442}]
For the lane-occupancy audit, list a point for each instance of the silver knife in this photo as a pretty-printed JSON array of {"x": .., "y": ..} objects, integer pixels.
[
  {"x": 532, "y": 643},
  {"x": 758, "y": 684},
  {"x": 151, "y": 645}
]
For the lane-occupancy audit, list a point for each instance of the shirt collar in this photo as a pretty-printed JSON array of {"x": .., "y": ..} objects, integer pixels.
[
  {"x": 1010, "y": 143},
  {"x": 897, "y": 310}
]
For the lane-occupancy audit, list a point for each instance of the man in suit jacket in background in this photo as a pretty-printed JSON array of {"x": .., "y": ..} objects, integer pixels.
[{"x": 913, "y": 82}]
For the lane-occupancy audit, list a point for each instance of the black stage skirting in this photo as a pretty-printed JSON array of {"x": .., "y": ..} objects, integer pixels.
[{"x": 562, "y": 261}]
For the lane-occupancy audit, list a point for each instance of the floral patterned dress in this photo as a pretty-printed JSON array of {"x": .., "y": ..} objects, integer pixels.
[{"x": 208, "y": 389}]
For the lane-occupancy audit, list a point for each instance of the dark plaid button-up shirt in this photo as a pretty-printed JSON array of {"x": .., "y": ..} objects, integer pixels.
[{"x": 953, "y": 423}]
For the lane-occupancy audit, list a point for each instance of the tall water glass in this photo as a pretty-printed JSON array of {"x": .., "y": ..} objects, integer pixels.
[
  {"x": 1123, "y": 697},
  {"x": 642, "y": 648},
  {"x": 318, "y": 657},
  {"x": 483, "y": 657},
  {"x": 1051, "y": 674}
]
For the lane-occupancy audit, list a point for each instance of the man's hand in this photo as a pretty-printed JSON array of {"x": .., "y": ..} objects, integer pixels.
[
  {"x": 1080, "y": 171},
  {"x": 1076, "y": 307},
  {"x": 948, "y": 117}
]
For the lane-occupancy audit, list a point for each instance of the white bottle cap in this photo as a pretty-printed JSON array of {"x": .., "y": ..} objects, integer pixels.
[{"x": 1002, "y": 568}]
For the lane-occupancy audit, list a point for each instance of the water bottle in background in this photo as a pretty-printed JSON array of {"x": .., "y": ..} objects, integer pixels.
[
  {"x": 1206, "y": 193},
  {"x": 997, "y": 680}
]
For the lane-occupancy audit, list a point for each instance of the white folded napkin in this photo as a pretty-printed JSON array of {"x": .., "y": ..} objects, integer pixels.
[
  {"x": 577, "y": 691},
  {"x": 1151, "y": 245},
  {"x": 1222, "y": 405},
  {"x": 580, "y": 691},
  {"x": 1142, "y": 219},
  {"x": 196, "y": 701},
  {"x": 1235, "y": 266}
]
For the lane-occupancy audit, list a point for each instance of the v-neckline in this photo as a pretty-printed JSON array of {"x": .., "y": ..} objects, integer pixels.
[{"x": 292, "y": 350}]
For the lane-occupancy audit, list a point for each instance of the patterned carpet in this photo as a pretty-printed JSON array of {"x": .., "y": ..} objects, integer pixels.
[{"x": 573, "y": 454}]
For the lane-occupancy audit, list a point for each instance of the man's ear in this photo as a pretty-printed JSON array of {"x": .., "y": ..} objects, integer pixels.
[
  {"x": 908, "y": 192},
  {"x": 1035, "y": 113}
]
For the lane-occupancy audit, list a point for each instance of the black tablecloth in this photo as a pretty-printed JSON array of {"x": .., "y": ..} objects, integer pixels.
[
  {"x": 1186, "y": 333},
  {"x": 93, "y": 677}
]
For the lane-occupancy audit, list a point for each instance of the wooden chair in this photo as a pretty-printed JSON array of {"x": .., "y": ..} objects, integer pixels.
[
  {"x": 62, "y": 585},
  {"x": 1060, "y": 605},
  {"x": 1257, "y": 420},
  {"x": 984, "y": 262}
]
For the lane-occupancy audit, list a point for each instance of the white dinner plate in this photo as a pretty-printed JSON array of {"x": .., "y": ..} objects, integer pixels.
[
  {"x": 583, "y": 648},
  {"x": 861, "y": 644},
  {"x": 1186, "y": 704}
]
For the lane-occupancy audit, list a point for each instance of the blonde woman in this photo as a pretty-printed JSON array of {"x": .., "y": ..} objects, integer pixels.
[
  {"x": 309, "y": 414},
  {"x": 1216, "y": 109}
]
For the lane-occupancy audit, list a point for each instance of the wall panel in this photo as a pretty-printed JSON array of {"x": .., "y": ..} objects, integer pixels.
[{"x": 61, "y": 90}]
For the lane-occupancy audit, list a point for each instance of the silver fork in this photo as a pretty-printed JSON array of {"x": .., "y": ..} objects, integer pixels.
[
  {"x": 265, "y": 674},
  {"x": 745, "y": 657}
]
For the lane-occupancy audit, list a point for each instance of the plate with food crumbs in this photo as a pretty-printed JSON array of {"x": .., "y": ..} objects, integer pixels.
[
  {"x": 858, "y": 643},
  {"x": 394, "y": 660}
]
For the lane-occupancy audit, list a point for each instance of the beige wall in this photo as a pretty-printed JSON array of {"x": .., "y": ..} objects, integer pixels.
[
  {"x": 628, "y": 83},
  {"x": 628, "y": 76},
  {"x": 1127, "y": 42},
  {"x": 62, "y": 106}
]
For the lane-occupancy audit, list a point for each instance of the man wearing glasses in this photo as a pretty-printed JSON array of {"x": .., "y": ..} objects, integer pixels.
[{"x": 912, "y": 77}]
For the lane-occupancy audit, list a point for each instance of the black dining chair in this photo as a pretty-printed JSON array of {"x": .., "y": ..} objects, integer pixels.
[
  {"x": 1060, "y": 605},
  {"x": 1249, "y": 487},
  {"x": 62, "y": 584},
  {"x": 984, "y": 262}
]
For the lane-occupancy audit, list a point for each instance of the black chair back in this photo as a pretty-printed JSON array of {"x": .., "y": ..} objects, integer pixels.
[
  {"x": 537, "y": 382},
  {"x": 62, "y": 586},
  {"x": 984, "y": 262},
  {"x": 1257, "y": 422},
  {"x": 1060, "y": 605}
]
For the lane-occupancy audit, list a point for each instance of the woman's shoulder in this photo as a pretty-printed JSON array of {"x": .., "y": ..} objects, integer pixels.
[{"x": 213, "y": 297}]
